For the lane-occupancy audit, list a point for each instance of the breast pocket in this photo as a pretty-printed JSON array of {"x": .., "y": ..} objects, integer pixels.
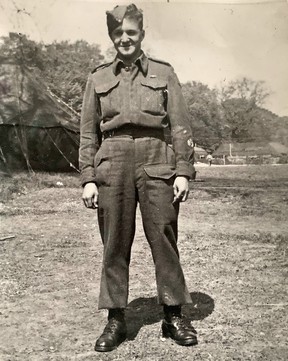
[
  {"x": 153, "y": 96},
  {"x": 109, "y": 98}
]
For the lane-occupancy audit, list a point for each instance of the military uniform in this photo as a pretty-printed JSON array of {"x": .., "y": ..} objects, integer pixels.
[{"x": 126, "y": 111}]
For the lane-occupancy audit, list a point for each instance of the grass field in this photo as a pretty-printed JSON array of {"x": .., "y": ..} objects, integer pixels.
[{"x": 233, "y": 243}]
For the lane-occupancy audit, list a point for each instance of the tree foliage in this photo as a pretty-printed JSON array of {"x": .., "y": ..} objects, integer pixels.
[
  {"x": 68, "y": 65},
  {"x": 231, "y": 113},
  {"x": 63, "y": 66},
  {"x": 206, "y": 118},
  {"x": 254, "y": 92},
  {"x": 240, "y": 101},
  {"x": 18, "y": 49}
]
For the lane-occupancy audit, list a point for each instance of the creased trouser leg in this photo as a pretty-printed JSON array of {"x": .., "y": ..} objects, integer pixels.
[
  {"x": 159, "y": 217},
  {"x": 122, "y": 162},
  {"x": 116, "y": 217}
]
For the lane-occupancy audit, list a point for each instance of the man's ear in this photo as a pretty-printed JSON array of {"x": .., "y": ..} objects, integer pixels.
[{"x": 143, "y": 34}]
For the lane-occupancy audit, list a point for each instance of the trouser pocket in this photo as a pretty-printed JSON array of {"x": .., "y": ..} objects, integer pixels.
[{"x": 159, "y": 179}]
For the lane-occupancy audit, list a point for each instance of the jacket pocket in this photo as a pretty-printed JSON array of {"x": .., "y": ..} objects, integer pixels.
[
  {"x": 109, "y": 97},
  {"x": 102, "y": 89},
  {"x": 153, "y": 95}
]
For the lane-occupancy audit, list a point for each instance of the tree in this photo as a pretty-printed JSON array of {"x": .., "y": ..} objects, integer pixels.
[
  {"x": 206, "y": 118},
  {"x": 63, "y": 66},
  {"x": 68, "y": 65},
  {"x": 18, "y": 49},
  {"x": 240, "y": 100}
]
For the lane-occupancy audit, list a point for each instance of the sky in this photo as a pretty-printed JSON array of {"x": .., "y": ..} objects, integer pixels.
[{"x": 209, "y": 41}]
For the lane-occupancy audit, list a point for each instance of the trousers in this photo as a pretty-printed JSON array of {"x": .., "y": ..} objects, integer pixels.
[{"x": 131, "y": 171}]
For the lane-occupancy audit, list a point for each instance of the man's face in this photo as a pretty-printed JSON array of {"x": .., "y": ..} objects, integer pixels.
[{"x": 127, "y": 39}]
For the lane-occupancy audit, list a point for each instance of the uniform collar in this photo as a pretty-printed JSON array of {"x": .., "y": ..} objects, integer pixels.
[{"x": 141, "y": 62}]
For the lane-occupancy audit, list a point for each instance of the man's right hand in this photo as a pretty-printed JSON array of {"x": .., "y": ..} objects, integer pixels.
[{"x": 90, "y": 195}]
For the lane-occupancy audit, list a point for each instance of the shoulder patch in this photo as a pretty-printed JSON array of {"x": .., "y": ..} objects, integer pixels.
[
  {"x": 160, "y": 61},
  {"x": 102, "y": 66}
]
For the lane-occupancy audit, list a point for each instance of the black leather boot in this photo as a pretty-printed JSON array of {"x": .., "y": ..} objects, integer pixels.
[
  {"x": 177, "y": 328},
  {"x": 114, "y": 332}
]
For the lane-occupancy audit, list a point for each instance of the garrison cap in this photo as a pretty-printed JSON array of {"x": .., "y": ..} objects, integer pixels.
[{"x": 116, "y": 16}]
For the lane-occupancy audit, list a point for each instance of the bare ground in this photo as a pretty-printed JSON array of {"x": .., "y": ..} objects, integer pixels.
[{"x": 233, "y": 243}]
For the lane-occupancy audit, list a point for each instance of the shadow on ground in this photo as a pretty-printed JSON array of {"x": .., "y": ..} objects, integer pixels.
[{"x": 146, "y": 311}]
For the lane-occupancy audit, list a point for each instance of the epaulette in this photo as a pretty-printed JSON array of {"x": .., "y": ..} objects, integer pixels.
[
  {"x": 101, "y": 67},
  {"x": 159, "y": 61}
]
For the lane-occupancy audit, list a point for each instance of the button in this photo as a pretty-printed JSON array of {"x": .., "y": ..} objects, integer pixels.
[{"x": 127, "y": 68}]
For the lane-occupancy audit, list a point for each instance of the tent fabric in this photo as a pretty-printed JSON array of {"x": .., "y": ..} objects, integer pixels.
[
  {"x": 27, "y": 101},
  {"x": 37, "y": 129},
  {"x": 47, "y": 149}
]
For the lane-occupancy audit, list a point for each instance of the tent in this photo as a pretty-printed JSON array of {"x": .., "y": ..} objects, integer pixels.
[{"x": 37, "y": 130}]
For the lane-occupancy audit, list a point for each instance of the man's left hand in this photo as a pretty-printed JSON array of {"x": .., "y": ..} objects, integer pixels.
[{"x": 181, "y": 189}]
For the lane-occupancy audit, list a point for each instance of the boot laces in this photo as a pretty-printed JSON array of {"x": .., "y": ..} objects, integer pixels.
[
  {"x": 112, "y": 325},
  {"x": 183, "y": 325}
]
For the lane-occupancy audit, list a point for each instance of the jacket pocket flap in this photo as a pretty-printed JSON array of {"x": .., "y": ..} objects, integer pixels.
[
  {"x": 99, "y": 158},
  {"x": 154, "y": 83},
  {"x": 106, "y": 87},
  {"x": 162, "y": 171},
  {"x": 97, "y": 161}
]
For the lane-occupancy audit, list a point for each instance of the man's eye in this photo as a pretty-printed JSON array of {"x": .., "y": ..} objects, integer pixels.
[
  {"x": 131, "y": 33},
  {"x": 117, "y": 33}
]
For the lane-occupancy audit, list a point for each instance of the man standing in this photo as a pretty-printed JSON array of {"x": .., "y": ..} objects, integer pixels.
[
  {"x": 124, "y": 160},
  {"x": 209, "y": 159}
]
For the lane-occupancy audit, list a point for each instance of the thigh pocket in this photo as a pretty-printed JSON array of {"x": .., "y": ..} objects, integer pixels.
[
  {"x": 102, "y": 170},
  {"x": 159, "y": 192},
  {"x": 164, "y": 172}
]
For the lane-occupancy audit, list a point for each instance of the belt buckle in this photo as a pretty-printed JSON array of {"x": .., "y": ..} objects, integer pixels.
[{"x": 110, "y": 133}]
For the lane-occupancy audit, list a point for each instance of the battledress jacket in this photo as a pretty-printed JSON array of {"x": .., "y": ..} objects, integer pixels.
[{"x": 148, "y": 95}]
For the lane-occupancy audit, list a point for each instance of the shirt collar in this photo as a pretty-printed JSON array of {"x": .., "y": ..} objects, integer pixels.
[{"x": 141, "y": 62}]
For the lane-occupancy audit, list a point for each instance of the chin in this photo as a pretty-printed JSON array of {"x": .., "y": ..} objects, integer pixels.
[{"x": 129, "y": 52}]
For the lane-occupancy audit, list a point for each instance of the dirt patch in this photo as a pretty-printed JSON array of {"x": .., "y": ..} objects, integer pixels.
[{"x": 233, "y": 244}]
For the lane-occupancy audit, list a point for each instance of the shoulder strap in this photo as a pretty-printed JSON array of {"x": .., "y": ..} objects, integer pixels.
[
  {"x": 101, "y": 66},
  {"x": 159, "y": 61}
]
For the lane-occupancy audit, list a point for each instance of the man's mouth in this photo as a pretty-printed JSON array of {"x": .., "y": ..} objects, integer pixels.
[{"x": 126, "y": 46}]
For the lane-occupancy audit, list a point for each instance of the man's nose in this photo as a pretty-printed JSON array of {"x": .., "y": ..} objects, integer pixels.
[{"x": 124, "y": 37}]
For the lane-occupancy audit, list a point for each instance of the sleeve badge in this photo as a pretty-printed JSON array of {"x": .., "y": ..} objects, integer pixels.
[{"x": 190, "y": 143}]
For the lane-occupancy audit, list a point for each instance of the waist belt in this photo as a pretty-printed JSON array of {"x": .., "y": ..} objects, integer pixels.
[{"x": 134, "y": 132}]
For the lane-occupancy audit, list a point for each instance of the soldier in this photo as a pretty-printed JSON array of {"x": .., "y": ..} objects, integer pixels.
[{"x": 124, "y": 160}]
